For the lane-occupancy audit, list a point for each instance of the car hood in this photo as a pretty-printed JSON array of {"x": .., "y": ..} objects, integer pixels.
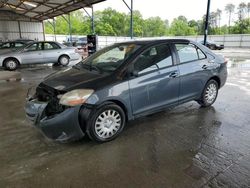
[{"x": 73, "y": 78}]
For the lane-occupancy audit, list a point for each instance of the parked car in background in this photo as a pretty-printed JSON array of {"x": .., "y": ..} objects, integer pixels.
[
  {"x": 38, "y": 53},
  {"x": 10, "y": 45},
  {"x": 123, "y": 82},
  {"x": 213, "y": 45}
]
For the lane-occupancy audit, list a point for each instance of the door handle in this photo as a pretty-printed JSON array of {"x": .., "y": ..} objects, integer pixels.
[
  {"x": 173, "y": 74},
  {"x": 204, "y": 66}
]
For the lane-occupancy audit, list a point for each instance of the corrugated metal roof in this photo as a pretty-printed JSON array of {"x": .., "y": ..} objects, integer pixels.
[{"x": 40, "y": 10}]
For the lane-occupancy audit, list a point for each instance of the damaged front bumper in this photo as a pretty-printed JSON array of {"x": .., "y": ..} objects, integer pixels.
[{"x": 62, "y": 127}]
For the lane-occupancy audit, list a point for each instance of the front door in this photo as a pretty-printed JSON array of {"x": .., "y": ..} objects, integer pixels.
[
  {"x": 156, "y": 82},
  {"x": 33, "y": 54}
]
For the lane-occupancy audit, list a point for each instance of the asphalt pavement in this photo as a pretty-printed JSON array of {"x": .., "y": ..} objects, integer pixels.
[{"x": 186, "y": 146}]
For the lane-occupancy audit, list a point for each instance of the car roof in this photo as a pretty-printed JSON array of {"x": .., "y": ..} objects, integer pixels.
[{"x": 152, "y": 42}]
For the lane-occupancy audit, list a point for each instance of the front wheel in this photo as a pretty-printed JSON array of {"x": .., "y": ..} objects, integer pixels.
[
  {"x": 209, "y": 94},
  {"x": 11, "y": 64},
  {"x": 106, "y": 123}
]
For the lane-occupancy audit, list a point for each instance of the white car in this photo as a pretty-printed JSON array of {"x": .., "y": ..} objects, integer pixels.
[{"x": 39, "y": 53}]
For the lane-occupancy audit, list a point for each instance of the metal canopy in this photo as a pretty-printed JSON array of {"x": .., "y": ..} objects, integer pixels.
[{"x": 40, "y": 10}]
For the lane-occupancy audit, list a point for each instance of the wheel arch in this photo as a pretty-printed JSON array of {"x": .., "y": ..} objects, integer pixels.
[
  {"x": 7, "y": 58},
  {"x": 217, "y": 79},
  {"x": 86, "y": 111}
]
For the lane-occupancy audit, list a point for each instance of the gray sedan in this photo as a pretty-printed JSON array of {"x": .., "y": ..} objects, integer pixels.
[
  {"x": 122, "y": 82},
  {"x": 38, "y": 53}
]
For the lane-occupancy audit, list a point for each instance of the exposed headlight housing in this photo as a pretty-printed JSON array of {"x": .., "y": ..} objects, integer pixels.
[{"x": 75, "y": 97}]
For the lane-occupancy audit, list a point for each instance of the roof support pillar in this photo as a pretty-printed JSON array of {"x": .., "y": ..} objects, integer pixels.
[
  {"x": 69, "y": 23},
  {"x": 131, "y": 17},
  {"x": 207, "y": 22},
  {"x": 91, "y": 18},
  {"x": 70, "y": 29},
  {"x": 19, "y": 29},
  {"x": 53, "y": 24}
]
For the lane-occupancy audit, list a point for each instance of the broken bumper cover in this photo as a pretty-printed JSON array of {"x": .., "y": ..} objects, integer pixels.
[{"x": 63, "y": 127}]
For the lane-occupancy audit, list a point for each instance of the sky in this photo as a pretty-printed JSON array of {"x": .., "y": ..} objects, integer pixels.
[{"x": 170, "y": 9}]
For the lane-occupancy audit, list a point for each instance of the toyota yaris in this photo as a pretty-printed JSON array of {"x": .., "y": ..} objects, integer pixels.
[{"x": 123, "y": 82}]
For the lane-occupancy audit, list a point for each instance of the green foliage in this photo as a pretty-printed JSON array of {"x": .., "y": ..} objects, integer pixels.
[
  {"x": 154, "y": 26},
  {"x": 113, "y": 23},
  {"x": 241, "y": 27},
  {"x": 180, "y": 27}
]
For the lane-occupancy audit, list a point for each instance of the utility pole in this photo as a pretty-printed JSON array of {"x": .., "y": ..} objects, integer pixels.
[
  {"x": 207, "y": 22},
  {"x": 131, "y": 18}
]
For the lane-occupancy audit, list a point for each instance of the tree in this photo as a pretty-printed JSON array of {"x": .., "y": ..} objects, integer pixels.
[
  {"x": 241, "y": 26},
  {"x": 242, "y": 11},
  {"x": 230, "y": 10},
  {"x": 154, "y": 26},
  {"x": 248, "y": 9},
  {"x": 218, "y": 13},
  {"x": 180, "y": 27}
]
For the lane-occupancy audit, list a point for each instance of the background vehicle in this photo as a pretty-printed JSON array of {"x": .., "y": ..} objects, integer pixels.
[
  {"x": 213, "y": 45},
  {"x": 37, "y": 53},
  {"x": 123, "y": 82},
  {"x": 10, "y": 45}
]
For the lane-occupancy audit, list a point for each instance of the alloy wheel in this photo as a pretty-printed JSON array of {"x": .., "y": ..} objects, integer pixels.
[{"x": 210, "y": 93}]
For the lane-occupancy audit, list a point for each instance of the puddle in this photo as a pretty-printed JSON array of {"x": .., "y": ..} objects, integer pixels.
[{"x": 238, "y": 63}]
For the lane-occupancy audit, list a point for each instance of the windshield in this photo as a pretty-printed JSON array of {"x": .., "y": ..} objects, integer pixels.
[{"x": 110, "y": 58}]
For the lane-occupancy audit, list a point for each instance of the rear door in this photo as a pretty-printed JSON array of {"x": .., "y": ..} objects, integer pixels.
[
  {"x": 156, "y": 83},
  {"x": 194, "y": 70},
  {"x": 33, "y": 53},
  {"x": 51, "y": 52}
]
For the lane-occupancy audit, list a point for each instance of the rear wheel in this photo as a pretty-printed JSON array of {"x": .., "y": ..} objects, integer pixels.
[
  {"x": 209, "y": 94},
  {"x": 106, "y": 123},
  {"x": 64, "y": 60},
  {"x": 11, "y": 64}
]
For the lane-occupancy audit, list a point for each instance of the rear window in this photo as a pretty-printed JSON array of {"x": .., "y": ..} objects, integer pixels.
[
  {"x": 5, "y": 45},
  {"x": 189, "y": 52}
]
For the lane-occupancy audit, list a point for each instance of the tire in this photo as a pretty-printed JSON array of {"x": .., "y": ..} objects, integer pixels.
[
  {"x": 11, "y": 64},
  {"x": 63, "y": 60},
  {"x": 56, "y": 64},
  {"x": 209, "y": 94},
  {"x": 106, "y": 123}
]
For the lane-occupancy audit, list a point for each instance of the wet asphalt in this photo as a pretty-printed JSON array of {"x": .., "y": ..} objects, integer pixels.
[{"x": 186, "y": 146}]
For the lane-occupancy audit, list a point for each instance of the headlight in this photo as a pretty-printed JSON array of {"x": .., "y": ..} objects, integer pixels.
[{"x": 75, "y": 97}]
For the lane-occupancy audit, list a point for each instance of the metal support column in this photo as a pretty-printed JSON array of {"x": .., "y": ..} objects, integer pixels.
[
  {"x": 19, "y": 29},
  {"x": 131, "y": 18},
  {"x": 53, "y": 24},
  {"x": 91, "y": 18},
  {"x": 54, "y": 28},
  {"x": 70, "y": 29},
  {"x": 207, "y": 22},
  {"x": 69, "y": 23}
]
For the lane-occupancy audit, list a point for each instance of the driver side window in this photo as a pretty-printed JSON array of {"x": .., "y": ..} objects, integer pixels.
[
  {"x": 35, "y": 47},
  {"x": 154, "y": 58}
]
